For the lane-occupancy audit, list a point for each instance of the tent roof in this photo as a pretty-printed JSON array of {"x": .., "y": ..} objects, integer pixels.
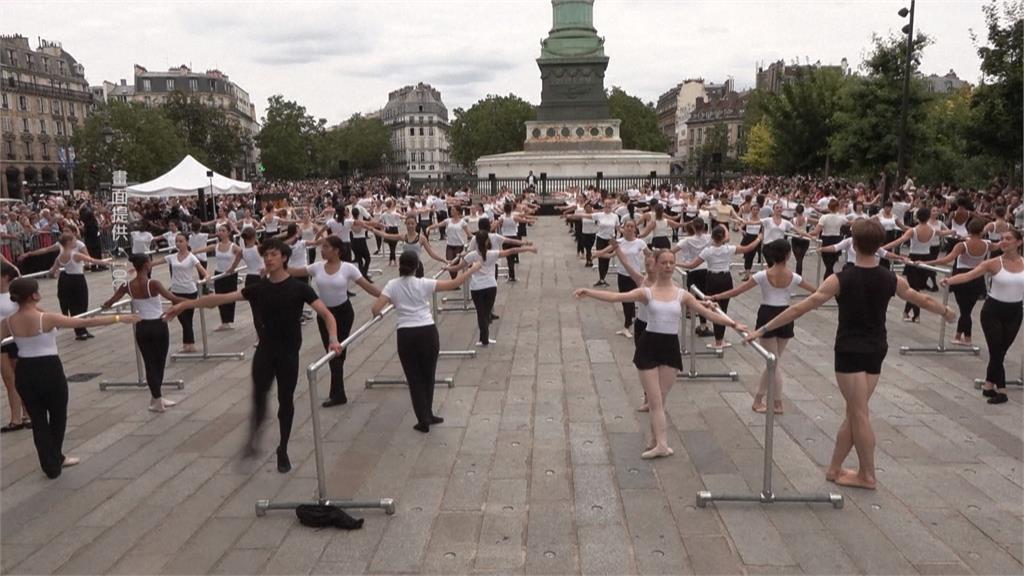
[{"x": 186, "y": 179}]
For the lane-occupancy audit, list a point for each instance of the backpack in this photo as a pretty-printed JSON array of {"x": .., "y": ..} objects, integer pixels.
[{"x": 323, "y": 516}]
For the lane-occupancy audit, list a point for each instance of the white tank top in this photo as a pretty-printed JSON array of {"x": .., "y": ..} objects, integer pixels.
[
  {"x": 664, "y": 317},
  {"x": 361, "y": 233},
  {"x": 70, "y": 264},
  {"x": 253, "y": 260},
  {"x": 148, "y": 308},
  {"x": 888, "y": 224},
  {"x": 308, "y": 234},
  {"x": 509, "y": 226},
  {"x": 455, "y": 231},
  {"x": 661, "y": 229},
  {"x": 1006, "y": 287},
  {"x": 968, "y": 261},
  {"x": 918, "y": 246},
  {"x": 36, "y": 346},
  {"x": 224, "y": 259}
]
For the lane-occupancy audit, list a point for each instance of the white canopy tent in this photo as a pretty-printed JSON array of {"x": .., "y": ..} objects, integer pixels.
[{"x": 186, "y": 179}]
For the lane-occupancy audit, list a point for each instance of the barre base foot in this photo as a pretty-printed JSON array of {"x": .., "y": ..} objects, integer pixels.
[
  {"x": 704, "y": 497},
  {"x": 904, "y": 350},
  {"x": 177, "y": 384},
  {"x": 210, "y": 356},
  {"x": 978, "y": 382},
  {"x": 716, "y": 352},
  {"x": 371, "y": 382},
  {"x": 385, "y": 504},
  {"x": 708, "y": 376},
  {"x": 458, "y": 353}
]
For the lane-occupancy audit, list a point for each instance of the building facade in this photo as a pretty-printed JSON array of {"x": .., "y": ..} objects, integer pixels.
[
  {"x": 712, "y": 116},
  {"x": 110, "y": 92},
  {"x": 418, "y": 122},
  {"x": 45, "y": 98},
  {"x": 213, "y": 88},
  {"x": 674, "y": 110},
  {"x": 945, "y": 84},
  {"x": 778, "y": 74}
]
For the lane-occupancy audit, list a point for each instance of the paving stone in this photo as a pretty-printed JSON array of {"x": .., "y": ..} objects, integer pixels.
[
  {"x": 551, "y": 546},
  {"x": 711, "y": 555},
  {"x": 756, "y": 539},
  {"x": 655, "y": 538}
]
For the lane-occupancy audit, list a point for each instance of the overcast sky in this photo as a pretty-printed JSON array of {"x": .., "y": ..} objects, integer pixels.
[{"x": 338, "y": 58}]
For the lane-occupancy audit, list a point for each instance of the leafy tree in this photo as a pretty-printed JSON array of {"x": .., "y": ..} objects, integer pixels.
[
  {"x": 997, "y": 103},
  {"x": 494, "y": 125},
  {"x": 288, "y": 139},
  {"x": 715, "y": 147},
  {"x": 639, "y": 129},
  {"x": 144, "y": 143},
  {"x": 801, "y": 119},
  {"x": 209, "y": 135},
  {"x": 360, "y": 141},
  {"x": 867, "y": 124},
  {"x": 760, "y": 154}
]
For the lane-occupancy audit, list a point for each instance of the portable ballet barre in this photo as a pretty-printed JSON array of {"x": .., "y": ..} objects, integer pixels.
[
  {"x": 436, "y": 312},
  {"x": 716, "y": 352},
  {"x": 693, "y": 374},
  {"x": 941, "y": 348},
  {"x": 387, "y": 504},
  {"x": 206, "y": 354},
  {"x": 140, "y": 381},
  {"x": 88, "y": 314},
  {"x": 767, "y": 494}
]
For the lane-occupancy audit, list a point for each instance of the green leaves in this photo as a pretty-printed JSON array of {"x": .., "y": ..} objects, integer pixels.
[
  {"x": 359, "y": 141},
  {"x": 208, "y": 134},
  {"x": 639, "y": 128},
  {"x": 494, "y": 125},
  {"x": 288, "y": 139}
]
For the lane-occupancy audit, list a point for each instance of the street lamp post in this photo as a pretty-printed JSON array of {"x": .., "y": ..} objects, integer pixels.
[
  {"x": 108, "y": 139},
  {"x": 901, "y": 155}
]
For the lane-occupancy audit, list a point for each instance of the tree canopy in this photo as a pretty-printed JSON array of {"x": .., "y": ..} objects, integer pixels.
[
  {"x": 494, "y": 125},
  {"x": 639, "y": 127},
  {"x": 287, "y": 140}
]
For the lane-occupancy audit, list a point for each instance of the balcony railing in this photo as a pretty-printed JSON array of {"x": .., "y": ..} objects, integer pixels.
[{"x": 13, "y": 84}]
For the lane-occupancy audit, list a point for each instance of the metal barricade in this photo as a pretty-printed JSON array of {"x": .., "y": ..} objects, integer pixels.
[
  {"x": 206, "y": 354},
  {"x": 693, "y": 374},
  {"x": 387, "y": 504},
  {"x": 767, "y": 494},
  {"x": 941, "y": 348}
]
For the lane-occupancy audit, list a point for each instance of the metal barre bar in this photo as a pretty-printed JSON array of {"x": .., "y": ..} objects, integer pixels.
[
  {"x": 768, "y": 356},
  {"x": 941, "y": 348},
  {"x": 86, "y": 314}
]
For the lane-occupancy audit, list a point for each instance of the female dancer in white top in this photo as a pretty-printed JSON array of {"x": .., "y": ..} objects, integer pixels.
[
  {"x": 416, "y": 241},
  {"x": 969, "y": 254},
  {"x": 658, "y": 359},
  {"x": 226, "y": 256},
  {"x": 183, "y": 265},
  {"x": 776, "y": 283}
]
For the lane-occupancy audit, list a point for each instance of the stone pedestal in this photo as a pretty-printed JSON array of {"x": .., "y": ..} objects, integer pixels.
[
  {"x": 569, "y": 164},
  {"x": 572, "y": 135}
]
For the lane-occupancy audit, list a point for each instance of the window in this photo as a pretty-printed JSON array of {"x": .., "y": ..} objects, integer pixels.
[
  {"x": 46, "y": 64},
  {"x": 5, "y": 103},
  {"x": 147, "y": 86},
  {"x": 431, "y": 166},
  {"x": 24, "y": 125},
  {"x": 12, "y": 57},
  {"x": 42, "y": 126},
  {"x": 28, "y": 60},
  {"x": 7, "y": 125},
  {"x": 421, "y": 119},
  {"x": 170, "y": 84},
  {"x": 412, "y": 131},
  {"x": 422, "y": 159},
  {"x": 28, "y": 150},
  {"x": 430, "y": 131},
  {"x": 61, "y": 65},
  {"x": 213, "y": 85},
  {"x": 60, "y": 127},
  {"x": 56, "y": 107},
  {"x": 39, "y": 103},
  {"x": 421, "y": 131},
  {"x": 22, "y": 103},
  {"x": 193, "y": 85}
]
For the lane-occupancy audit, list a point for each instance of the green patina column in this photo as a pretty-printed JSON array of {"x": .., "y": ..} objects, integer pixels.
[{"x": 572, "y": 65}]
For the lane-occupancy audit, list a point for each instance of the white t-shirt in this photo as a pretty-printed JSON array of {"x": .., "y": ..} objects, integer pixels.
[
  {"x": 774, "y": 231},
  {"x": 141, "y": 242},
  {"x": 182, "y": 278},
  {"x": 456, "y": 232},
  {"x": 691, "y": 247},
  {"x": 772, "y": 296},
  {"x": 719, "y": 258},
  {"x": 298, "y": 257},
  {"x": 606, "y": 224},
  {"x": 484, "y": 277},
  {"x": 197, "y": 241},
  {"x": 633, "y": 252},
  {"x": 333, "y": 288},
  {"x": 411, "y": 299}
]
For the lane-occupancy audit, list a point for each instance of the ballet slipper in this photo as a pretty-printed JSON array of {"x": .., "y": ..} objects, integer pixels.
[
  {"x": 657, "y": 452},
  {"x": 70, "y": 461},
  {"x": 644, "y": 408},
  {"x": 853, "y": 480}
]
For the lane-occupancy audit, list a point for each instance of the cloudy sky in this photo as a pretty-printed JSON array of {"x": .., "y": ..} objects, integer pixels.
[{"x": 338, "y": 58}]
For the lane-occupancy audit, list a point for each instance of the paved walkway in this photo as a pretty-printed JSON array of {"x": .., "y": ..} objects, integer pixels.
[{"x": 536, "y": 469}]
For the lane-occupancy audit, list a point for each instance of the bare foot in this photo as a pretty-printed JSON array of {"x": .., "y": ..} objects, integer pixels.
[
  {"x": 854, "y": 480},
  {"x": 831, "y": 475},
  {"x": 70, "y": 461},
  {"x": 759, "y": 405},
  {"x": 644, "y": 408},
  {"x": 778, "y": 406}
]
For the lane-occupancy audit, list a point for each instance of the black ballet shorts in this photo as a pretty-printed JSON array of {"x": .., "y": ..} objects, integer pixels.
[
  {"x": 657, "y": 349},
  {"x": 853, "y": 362},
  {"x": 10, "y": 349},
  {"x": 639, "y": 327},
  {"x": 766, "y": 313}
]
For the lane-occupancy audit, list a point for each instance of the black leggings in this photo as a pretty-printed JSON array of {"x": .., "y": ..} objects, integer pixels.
[
  {"x": 698, "y": 278},
  {"x": 154, "y": 339},
  {"x": 450, "y": 252},
  {"x": 344, "y": 316},
  {"x": 628, "y": 308},
  {"x": 602, "y": 263},
  {"x": 225, "y": 285},
  {"x": 748, "y": 258},
  {"x": 1000, "y": 322},
  {"x": 829, "y": 258},
  {"x": 73, "y": 296},
  {"x": 588, "y": 245},
  {"x": 361, "y": 252},
  {"x": 266, "y": 366},
  {"x": 511, "y": 260},
  {"x": 717, "y": 283},
  {"x": 418, "y": 349},
  {"x": 251, "y": 279},
  {"x": 44, "y": 390},
  {"x": 188, "y": 336},
  {"x": 800, "y": 248},
  {"x": 577, "y": 230},
  {"x": 916, "y": 278},
  {"x": 483, "y": 300},
  {"x": 391, "y": 243},
  {"x": 442, "y": 230},
  {"x": 967, "y": 296}
]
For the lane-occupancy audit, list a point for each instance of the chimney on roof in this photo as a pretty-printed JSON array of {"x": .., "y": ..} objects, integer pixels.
[{"x": 124, "y": 82}]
